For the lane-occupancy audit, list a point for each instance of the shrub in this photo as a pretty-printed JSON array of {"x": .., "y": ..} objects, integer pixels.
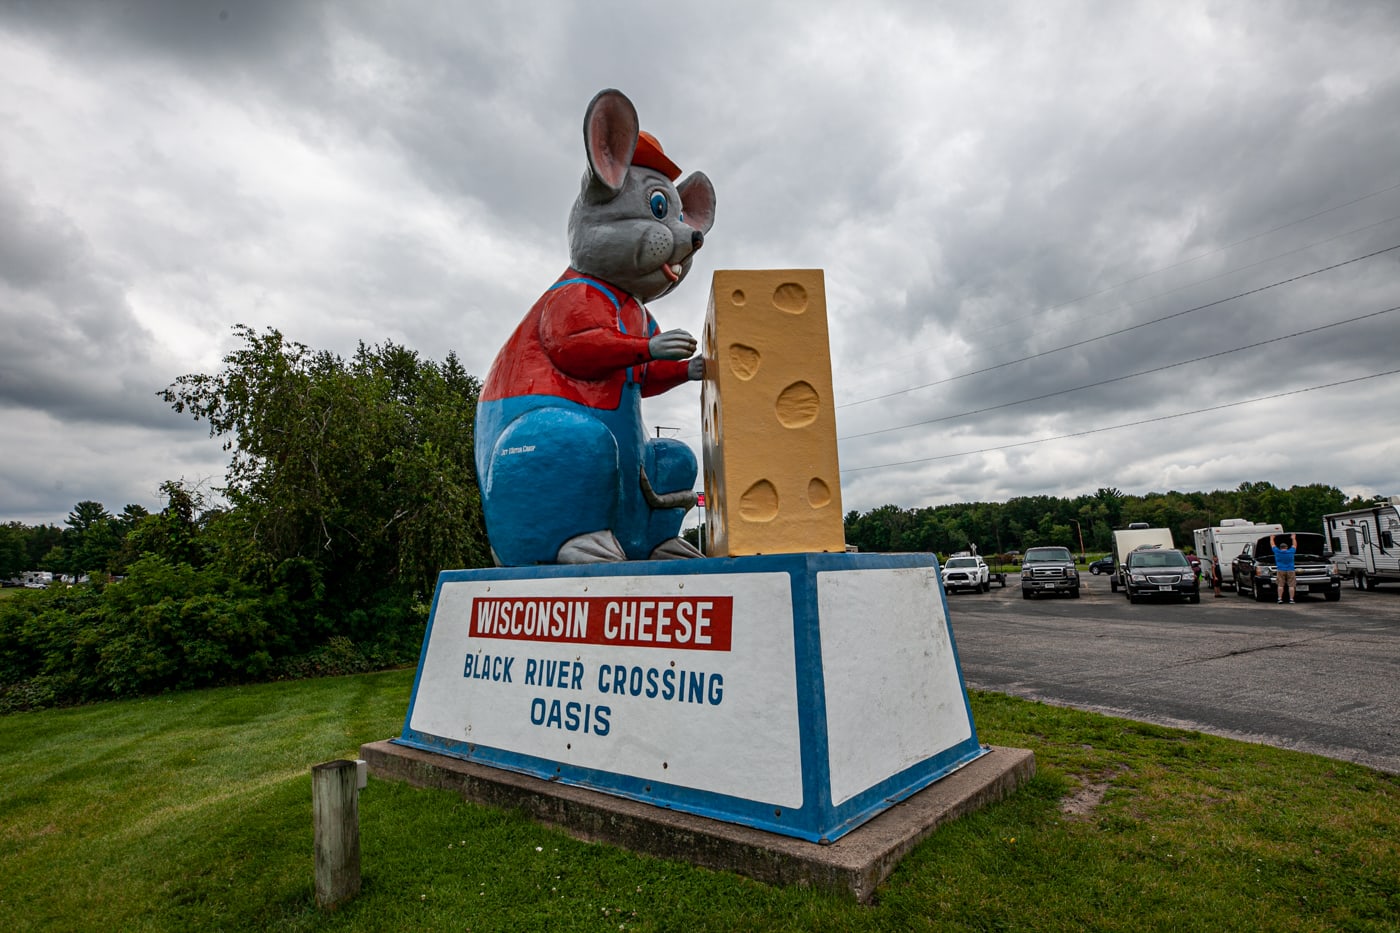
[{"x": 170, "y": 626}]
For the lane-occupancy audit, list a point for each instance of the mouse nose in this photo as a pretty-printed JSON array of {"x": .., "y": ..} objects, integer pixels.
[{"x": 697, "y": 240}]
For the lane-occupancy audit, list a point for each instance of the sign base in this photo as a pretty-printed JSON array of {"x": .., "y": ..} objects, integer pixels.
[
  {"x": 854, "y": 865},
  {"x": 800, "y": 694}
]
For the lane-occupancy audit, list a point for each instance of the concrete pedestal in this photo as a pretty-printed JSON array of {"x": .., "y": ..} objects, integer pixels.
[{"x": 853, "y": 865}]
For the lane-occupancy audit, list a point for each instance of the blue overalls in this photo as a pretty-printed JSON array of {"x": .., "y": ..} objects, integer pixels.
[{"x": 552, "y": 468}]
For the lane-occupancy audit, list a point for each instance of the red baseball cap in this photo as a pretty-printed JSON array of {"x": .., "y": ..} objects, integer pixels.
[{"x": 649, "y": 154}]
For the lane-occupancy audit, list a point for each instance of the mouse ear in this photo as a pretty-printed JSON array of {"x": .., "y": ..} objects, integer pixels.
[
  {"x": 697, "y": 201},
  {"x": 609, "y": 138}
]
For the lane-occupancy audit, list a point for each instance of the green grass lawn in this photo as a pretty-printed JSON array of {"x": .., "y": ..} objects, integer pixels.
[{"x": 193, "y": 812}]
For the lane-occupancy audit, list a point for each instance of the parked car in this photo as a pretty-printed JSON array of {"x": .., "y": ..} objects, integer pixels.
[
  {"x": 1160, "y": 571},
  {"x": 1049, "y": 570},
  {"x": 966, "y": 573},
  {"x": 1254, "y": 568},
  {"x": 1102, "y": 565}
]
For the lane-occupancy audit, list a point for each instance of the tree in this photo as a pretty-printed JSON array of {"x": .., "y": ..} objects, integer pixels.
[
  {"x": 1252, "y": 501},
  {"x": 14, "y": 556},
  {"x": 86, "y": 514},
  {"x": 359, "y": 473},
  {"x": 55, "y": 560},
  {"x": 173, "y": 534},
  {"x": 1310, "y": 503},
  {"x": 40, "y": 541},
  {"x": 92, "y": 540},
  {"x": 880, "y": 530},
  {"x": 131, "y": 517}
]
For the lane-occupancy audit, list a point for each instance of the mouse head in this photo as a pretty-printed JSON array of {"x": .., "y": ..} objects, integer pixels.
[{"x": 631, "y": 225}]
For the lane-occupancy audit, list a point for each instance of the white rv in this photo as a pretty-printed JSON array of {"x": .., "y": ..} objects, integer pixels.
[
  {"x": 1225, "y": 541},
  {"x": 1136, "y": 535},
  {"x": 1364, "y": 543}
]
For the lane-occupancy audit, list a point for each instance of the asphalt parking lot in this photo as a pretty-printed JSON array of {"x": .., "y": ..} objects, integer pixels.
[{"x": 1317, "y": 676}]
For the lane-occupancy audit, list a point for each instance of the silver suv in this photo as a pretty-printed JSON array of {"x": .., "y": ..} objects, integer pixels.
[
  {"x": 1049, "y": 570},
  {"x": 966, "y": 573}
]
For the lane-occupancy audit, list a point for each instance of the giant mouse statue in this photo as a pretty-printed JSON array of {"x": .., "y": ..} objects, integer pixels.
[{"x": 567, "y": 472}]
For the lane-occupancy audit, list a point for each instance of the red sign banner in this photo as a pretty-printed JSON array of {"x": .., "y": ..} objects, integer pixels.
[{"x": 693, "y": 623}]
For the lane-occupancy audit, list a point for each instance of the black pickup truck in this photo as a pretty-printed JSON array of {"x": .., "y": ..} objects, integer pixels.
[
  {"x": 1255, "y": 572},
  {"x": 1049, "y": 570}
]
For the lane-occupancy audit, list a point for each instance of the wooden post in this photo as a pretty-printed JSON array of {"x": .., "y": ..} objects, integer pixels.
[{"x": 335, "y": 803}]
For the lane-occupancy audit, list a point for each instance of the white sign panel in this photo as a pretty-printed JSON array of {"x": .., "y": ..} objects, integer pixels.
[
  {"x": 686, "y": 679},
  {"x": 894, "y": 694}
]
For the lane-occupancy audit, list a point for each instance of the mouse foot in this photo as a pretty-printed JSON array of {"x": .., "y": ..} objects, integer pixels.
[
  {"x": 596, "y": 547},
  {"x": 675, "y": 549}
]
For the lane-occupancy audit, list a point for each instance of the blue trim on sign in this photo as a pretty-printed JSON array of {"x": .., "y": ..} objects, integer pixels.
[
  {"x": 811, "y": 698},
  {"x": 817, "y": 819},
  {"x": 905, "y": 784},
  {"x": 422, "y": 656},
  {"x": 799, "y": 564}
]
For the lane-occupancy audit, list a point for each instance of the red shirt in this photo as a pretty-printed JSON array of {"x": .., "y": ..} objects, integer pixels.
[{"x": 583, "y": 341}]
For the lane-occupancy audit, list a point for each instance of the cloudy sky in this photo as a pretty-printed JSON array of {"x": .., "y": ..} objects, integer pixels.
[{"x": 1151, "y": 246}]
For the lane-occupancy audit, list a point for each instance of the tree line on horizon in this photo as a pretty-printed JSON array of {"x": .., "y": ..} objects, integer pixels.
[
  {"x": 97, "y": 541},
  {"x": 1086, "y": 523}
]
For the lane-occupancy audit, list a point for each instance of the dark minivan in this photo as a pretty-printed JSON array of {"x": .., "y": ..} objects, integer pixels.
[{"x": 1160, "y": 571}]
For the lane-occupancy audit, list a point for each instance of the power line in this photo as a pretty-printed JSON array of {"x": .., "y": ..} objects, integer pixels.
[
  {"x": 1219, "y": 249},
  {"x": 1061, "y": 325},
  {"x": 1123, "y": 330},
  {"x": 1104, "y": 382},
  {"x": 1182, "y": 262},
  {"x": 1129, "y": 424}
]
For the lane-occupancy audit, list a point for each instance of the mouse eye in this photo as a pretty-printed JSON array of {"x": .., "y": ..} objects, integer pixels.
[{"x": 659, "y": 204}]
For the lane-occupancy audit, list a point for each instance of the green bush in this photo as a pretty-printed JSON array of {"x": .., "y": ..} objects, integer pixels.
[
  {"x": 170, "y": 626},
  {"x": 42, "y": 647}
]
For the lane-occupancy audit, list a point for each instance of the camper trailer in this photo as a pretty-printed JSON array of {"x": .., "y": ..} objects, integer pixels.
[
  {"x": 36, "y": 579},
  {"x": 1364, "y": 543},
  {"x": 1136, "y": 535},
  {"x": 1225, "y": 541}
]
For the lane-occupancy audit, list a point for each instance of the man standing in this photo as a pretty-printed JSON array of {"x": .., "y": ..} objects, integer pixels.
[{"x": 1283, "y": 564}]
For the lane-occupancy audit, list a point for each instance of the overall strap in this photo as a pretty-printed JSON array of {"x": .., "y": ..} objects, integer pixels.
[{"x": 617, "y": 307}]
